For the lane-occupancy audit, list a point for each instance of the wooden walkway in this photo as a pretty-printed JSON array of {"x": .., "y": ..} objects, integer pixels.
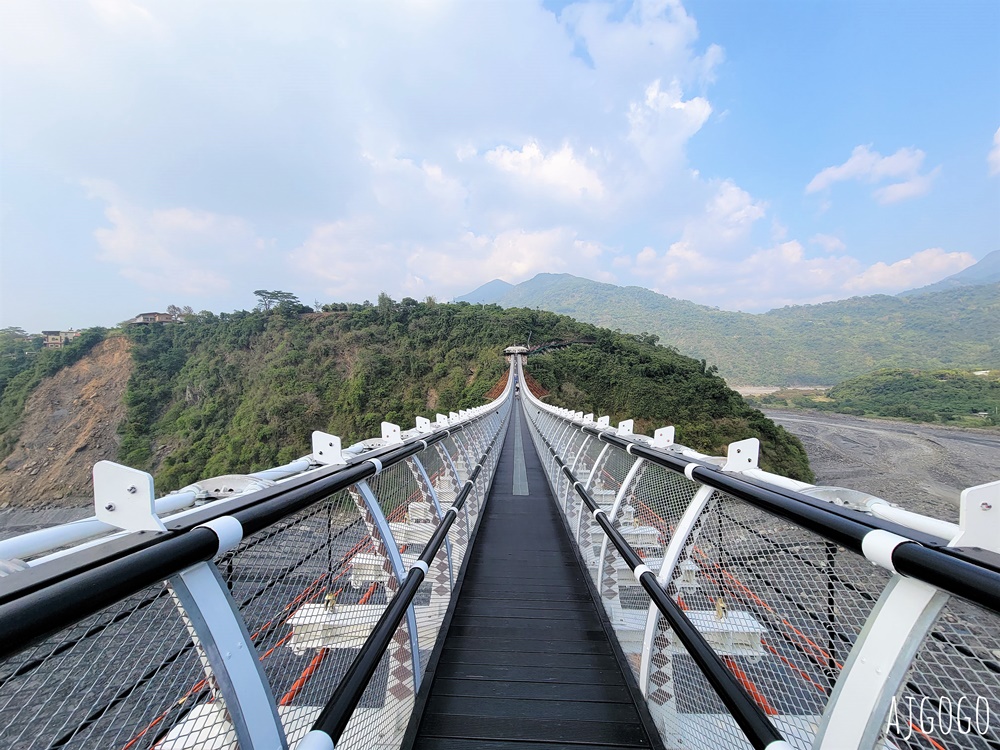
[{"x": 526, "y": 663}]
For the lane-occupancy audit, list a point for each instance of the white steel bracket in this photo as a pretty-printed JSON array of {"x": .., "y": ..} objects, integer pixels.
[
  {"x": 326, "y": 449},
  {"x": 390, "y": 434},
  {"x": 124, "y": 497},
  {"x": 979, "y": 518},
  {"x": 625, "y": 427},
  {"x": 603, "y": 422},
  {"x": 424, "y": 425},
  {"x": 663, "y": 437},
  {"x": 742, "y": 455}
]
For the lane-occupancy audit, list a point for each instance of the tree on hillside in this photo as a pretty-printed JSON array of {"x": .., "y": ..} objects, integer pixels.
[
  {"x": 179, "y": 313},
  {"x": 269, "y": 300}
]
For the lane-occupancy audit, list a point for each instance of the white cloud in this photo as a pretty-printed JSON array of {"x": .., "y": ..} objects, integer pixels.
[
  {"x": 864, "y": 164},
  {"x": 993, "y": 158},
  {"x": 181, "y": 250},
  {"x": 560, "y": 169},
  {"x": 123, "y": 14},
  {"x": 829, "y": 242},
  {"x": 351, "y": 259},
  {"x": 921, "y": 268},
  {"x": 912, "y": 188},
  {"x": 663, "y": 122},
  {"x": 733, "y": 211},
  {"x": 784, "y": 274},
  {"x": 422, "y": 151}
]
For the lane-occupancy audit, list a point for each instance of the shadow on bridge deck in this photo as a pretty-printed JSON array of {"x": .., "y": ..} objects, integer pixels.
[{"x": 527, "y": 658}]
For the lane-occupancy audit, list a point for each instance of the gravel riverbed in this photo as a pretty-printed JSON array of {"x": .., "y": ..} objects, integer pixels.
[{"x": 923, "y": 468}]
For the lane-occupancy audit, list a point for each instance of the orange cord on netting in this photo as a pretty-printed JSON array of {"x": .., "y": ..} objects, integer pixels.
[
  {"x": 306, "y": 595},
  {"x": 821, "y": 657}
]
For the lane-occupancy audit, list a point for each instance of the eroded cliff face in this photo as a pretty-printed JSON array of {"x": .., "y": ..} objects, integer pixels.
[{"x": 70, "y": 423}]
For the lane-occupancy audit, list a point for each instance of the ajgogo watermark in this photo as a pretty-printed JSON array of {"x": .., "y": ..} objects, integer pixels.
[{"x": 941, "y": 716}]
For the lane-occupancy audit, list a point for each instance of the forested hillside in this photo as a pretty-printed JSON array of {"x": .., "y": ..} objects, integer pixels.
[
  {"x": 241, "y": 391},
  {"x": 943, "y": 395},
  {"x": 954, "y": 397},
  {"x": 802, "y": 345}
]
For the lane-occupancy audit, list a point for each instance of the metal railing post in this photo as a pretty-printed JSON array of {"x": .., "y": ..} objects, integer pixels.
[
  {"x": 433, "y": 499},
  {"x": 609, "y": 587},
  {"x": 398, "y": 569},
  {"x": 232, "y": 664}
]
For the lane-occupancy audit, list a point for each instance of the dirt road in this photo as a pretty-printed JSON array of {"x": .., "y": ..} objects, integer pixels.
[{"x": 921, "y": 467}]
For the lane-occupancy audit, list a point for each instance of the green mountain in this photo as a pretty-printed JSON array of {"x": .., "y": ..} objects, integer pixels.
[
  {"x": 986, "y": 271},
  {"x": 488, "y": 293},
  {"x": 238, "y": 392},
  {"x": 802, "y": 345}
]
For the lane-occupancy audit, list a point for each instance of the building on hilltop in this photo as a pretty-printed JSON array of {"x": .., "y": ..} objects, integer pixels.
[
  {"x": 149, "y": 318},
  {"x": 57, "y": 339}
]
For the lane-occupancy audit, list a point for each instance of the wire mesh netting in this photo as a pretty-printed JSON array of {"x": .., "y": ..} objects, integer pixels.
[
  {"x": 604, "y": 486},
  {"x": 309, "y": 589},
  {"x": 117, "y": 679},
  {"x": 585, "y": 461},
  {"x": 381, "y": 726},
  {"x": 781, "y": 606},
  {"x": 649, "y": 510},
  {"x": 951, "y": 695},
  {"x": 565, "y": 493}
]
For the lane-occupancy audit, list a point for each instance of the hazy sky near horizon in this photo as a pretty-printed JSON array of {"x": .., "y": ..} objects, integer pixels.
[{"x": 743, "y": 155}]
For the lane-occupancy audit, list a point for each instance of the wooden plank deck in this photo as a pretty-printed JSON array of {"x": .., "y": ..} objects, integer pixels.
[{"x": 527, "y": 662}]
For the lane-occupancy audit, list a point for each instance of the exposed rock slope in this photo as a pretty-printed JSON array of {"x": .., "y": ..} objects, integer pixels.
[{"x": 71, "y": 422}]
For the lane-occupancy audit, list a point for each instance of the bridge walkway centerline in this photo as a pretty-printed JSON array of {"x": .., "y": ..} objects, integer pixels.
[{"x": 527, "y": 661}]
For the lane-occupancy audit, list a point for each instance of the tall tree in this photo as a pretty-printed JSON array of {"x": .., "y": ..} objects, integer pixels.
[{"x": 271, "y": 299}]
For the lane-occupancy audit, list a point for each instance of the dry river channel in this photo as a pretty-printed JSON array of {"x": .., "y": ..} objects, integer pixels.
[{"x": 922, "y": 468}]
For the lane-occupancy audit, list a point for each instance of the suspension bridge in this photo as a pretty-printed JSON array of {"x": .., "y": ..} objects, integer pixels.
[{"x": 512, "y": 577}]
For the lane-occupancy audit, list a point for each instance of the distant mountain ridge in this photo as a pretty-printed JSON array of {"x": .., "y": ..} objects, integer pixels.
[
  {"x": 986, "y": 271},
  {"x": 802, "y": 345},
  {"x": 488, "y": 293}
]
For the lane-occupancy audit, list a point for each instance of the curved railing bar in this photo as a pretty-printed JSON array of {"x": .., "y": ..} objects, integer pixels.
[
  {"x": 891, "y": 545},
  {"x": 38, "y": 601},
  {"x": 750, "y": 717},
  {"x": 333, "y": 720}
]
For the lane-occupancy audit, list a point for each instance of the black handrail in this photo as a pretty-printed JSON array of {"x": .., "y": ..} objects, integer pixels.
[
  {"x": 39, "y": 601},
  {"x": 921, "y": 556},
  {"x": 338, "y": 711},
  {"x": 750, "y": 717}
]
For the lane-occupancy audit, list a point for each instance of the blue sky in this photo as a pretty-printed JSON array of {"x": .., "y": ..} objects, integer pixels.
[{"x": 742, "y": 155}]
